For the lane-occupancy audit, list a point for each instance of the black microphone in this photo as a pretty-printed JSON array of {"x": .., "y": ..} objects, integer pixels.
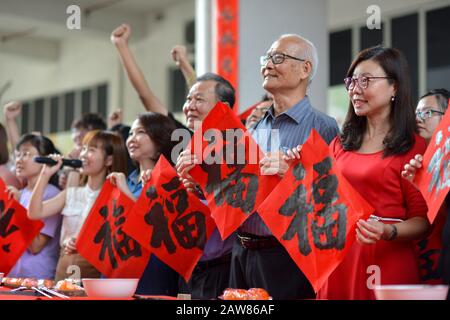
[{"x": 74, "y": 163}]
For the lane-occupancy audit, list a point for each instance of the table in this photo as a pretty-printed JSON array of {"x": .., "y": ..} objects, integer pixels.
[{"x": 6, "y": 295}]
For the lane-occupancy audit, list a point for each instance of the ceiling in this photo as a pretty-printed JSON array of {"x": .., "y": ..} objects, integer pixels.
[
  {"x": 46, "y": 18},
  {"x": 139, "y": 6},
  {"x": 36, "y": 28}
]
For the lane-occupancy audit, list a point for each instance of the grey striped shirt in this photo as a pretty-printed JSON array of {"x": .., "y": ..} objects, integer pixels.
[{"x": 292, "y": 128}]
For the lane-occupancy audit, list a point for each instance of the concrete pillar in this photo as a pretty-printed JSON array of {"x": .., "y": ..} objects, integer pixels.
[{"x": 203, "y": 36}]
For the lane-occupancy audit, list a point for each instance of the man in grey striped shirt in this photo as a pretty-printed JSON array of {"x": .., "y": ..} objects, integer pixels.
[{"x": 259, "y": 260}]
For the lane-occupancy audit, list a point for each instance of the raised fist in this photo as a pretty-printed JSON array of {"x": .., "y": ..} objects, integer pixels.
[
  {"x": 179, "y": 53},
  {"x": 121, "y": 34},
  {"x": 115, "y": 117},
  {"x": 12, "y": 110}
]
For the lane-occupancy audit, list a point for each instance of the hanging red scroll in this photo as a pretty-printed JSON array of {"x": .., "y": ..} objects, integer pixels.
[{"x": 227, "y": 42}]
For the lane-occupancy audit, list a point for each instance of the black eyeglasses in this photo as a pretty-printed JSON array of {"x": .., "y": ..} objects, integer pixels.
[
  {"x": 277, "y": 58},
  {"x": 423, "y": 115},
  {"x": 363, "y": 81}
]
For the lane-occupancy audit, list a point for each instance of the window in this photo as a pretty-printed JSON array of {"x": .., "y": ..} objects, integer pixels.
[
  {"x": 39, "y": 115},
  {"x": 371, "y": 37},
  {"x": 427, "y": 72},
  {"x": 102, "y": 100},
  {"x": 438, "y": 48},
  {"x": 85, "y": 101},
  {"x": 340, "y": 55},
  {"x": 177, "y": 84},
  {"x": 55, "y": 113},
  {"x": 178, "y": 91},
  {"x": 54, "y": 104},
  {"x": 69, "y": 108},
  {"x": 405, "y": 38},
  {"x": 25, "y": 118},
  {"x": 189, "y": 33}
]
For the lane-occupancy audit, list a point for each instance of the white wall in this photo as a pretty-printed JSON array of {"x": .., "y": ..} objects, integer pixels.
[
  {"x": 343, "y": 13},
  {"x": 85, "y": 60},
  {"x": 153, "y": 54},
  {"x": 29, "y": 77},
  {"x": 261, "y": 23}
]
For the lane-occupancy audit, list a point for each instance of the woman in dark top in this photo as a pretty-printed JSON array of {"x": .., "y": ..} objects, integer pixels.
[
  {"x": 430, "y": 111},
  {"x": 149, "y": 138}
]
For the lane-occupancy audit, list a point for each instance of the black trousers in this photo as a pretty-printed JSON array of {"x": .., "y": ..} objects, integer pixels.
[
  {"x": 271, "y": 269},
  {"x": 209, "y": 279},
  {"x": 158, "y": 279}
]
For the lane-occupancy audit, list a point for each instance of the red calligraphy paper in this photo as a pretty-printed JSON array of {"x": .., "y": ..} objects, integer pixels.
[
  {"x": 229, "y": 172},
  {"x": 227, "y": 42},
  {"x": 103, "y": 242},
  {"x": 244, "y": 115},
  {"x": 313, "y": 212},
  {"x": 169, "y": 221},
  {"x": 17, "y": 231},
  {"x": 434, "y": 179}
]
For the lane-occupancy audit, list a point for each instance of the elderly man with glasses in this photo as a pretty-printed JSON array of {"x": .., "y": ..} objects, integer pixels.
[{"x": 259, "y": 260}]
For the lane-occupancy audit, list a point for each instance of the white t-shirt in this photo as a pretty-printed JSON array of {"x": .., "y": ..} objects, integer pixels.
[{"x": 79, "y": 202}]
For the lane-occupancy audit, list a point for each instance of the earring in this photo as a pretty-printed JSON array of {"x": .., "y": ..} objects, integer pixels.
[{"x": 393, "y": 98}]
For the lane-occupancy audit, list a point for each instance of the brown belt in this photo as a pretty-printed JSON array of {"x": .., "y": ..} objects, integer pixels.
[{"x": 253, "y": 242}]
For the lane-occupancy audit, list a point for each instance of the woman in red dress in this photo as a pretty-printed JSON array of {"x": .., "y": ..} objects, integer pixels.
[{"x": 378, "y": 138}]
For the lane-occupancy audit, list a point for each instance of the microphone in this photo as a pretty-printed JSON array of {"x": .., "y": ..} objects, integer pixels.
[{"x": 74, "y": 163}]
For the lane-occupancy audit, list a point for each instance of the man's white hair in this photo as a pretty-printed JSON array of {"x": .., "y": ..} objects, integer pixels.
[{"x": 309, "y": 53}]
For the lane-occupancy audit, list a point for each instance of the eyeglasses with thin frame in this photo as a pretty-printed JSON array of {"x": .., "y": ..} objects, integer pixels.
[
  {"x": 24, "y": 155},
  {"x": 363, "y": 81},
  {"x": 423, "y": 115},
  {"x": 277, "y": 58}
]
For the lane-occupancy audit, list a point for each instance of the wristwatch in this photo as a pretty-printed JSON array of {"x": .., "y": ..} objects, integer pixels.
[{"x": 394, "y": 233}]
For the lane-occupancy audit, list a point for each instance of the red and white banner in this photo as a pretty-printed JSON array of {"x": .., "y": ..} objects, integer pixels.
[
  {"x": 434, "y": 180},
  {"x": 227, "y": 42}
]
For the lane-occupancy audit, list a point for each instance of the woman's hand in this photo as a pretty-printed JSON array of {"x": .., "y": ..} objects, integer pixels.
[
  {"x": 119, "y": 180},
  {"x": 70, "y": 247},
  {"x": 49, "y": 171},
  {"x": 411, "y": 168},
  {"x": 146, "y": 176},
  {"x": 371, "y": 231},
  {"x": 13, "y": 192}
]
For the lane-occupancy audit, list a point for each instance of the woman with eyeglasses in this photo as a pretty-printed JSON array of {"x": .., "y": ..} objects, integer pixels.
[
  {"x": 40, "y": 258},
  {"x": 5, "y": 173},
  {"x": 429, "y": 113},
  {"x": 102, "y": 152},
  {"x": 430, "y": 110},
  {"x": 149, "y": 138},
  {"x": 378, "y": 136}
]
